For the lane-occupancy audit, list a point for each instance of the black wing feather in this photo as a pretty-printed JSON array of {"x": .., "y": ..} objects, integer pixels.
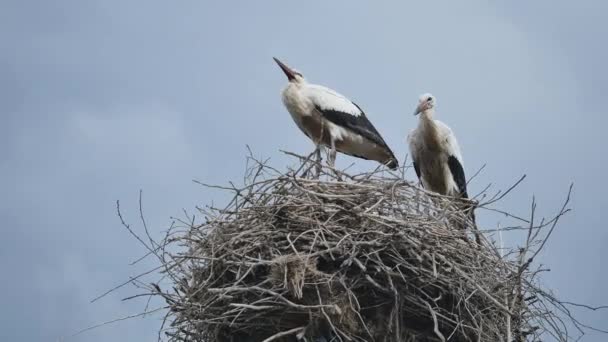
[
  {"x": 458, "y": 175},
  {"x": 356, "y": 123},
  {"x": 417, "y": 169}
]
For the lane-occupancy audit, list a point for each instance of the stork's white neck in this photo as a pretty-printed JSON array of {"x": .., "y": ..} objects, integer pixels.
[
  {"x": 426, "y": 117},
  {"x": 428, "y": 127}
]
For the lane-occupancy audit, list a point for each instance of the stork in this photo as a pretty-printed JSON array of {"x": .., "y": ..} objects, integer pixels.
[
  {"x": 436, "y": 154},
  {"x": 330, "y": 119}
]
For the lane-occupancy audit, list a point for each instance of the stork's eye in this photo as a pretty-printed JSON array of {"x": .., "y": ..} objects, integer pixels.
[{"x": 429, "y": 99}]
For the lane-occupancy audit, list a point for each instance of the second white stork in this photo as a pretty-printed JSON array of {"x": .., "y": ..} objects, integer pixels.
[
  {"x": 436, "y": 154},
  {"x": 330, "y": 119}
]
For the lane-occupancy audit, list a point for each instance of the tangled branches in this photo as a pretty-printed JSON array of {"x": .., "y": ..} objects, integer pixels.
[{"x": 369, "y": 257}]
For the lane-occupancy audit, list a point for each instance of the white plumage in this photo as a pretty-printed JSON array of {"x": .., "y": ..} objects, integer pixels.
[
  {"x": 436, "y": 154},
  {"x": 330, "y": 99},
  {"x": 330, "y": 119}
]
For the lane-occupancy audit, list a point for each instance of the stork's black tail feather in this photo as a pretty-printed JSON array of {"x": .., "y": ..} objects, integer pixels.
[{"x": 469, "y": 210}]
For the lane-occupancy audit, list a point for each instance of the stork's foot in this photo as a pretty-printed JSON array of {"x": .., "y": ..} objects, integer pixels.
[
  {"x": 335, "y": 172},
  {"x": 314, "y": 172}
]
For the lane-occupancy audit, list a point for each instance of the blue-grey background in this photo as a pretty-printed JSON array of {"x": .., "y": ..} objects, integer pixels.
[{"x": 99, "y": 99}]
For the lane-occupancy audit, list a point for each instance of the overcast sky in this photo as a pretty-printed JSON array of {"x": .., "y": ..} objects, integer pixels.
[{"x": 100, "y": 99}]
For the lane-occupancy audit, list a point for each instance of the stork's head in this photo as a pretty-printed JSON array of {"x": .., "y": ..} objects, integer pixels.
[
  {"x": 292, "y": 74},
  {"x": 425, "y": 102}
]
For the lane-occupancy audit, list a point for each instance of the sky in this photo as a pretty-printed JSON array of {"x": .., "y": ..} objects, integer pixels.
[{"x": 99, "y": 99}]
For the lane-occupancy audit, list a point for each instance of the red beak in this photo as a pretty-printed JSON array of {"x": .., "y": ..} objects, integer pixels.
[{"x": 288, "y": 72}]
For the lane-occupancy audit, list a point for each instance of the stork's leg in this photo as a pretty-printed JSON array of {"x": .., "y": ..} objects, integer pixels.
[
  {"x": 318, "y": 165},
  {"x": 470, "y": 213},
  {"x": 331, "y": 155},
  {"x": 318, "y": 153},
  {"x": 331, "y": 159}
]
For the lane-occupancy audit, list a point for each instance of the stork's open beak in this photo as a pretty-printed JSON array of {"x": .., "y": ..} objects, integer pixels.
[{"x": 288, "y": 72}]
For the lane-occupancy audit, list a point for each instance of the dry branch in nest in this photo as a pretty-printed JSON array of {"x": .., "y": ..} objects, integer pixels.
[{"x": 370, "y": 257}]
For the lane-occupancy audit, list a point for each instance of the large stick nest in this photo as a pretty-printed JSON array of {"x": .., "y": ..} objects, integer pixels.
[{"x": 370, "y": 257}]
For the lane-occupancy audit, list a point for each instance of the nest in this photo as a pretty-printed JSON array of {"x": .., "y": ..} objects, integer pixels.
[{"x": 335, "y": 257}]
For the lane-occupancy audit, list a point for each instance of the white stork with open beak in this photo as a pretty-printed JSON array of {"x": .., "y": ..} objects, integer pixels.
[
  {"x": 330, "y": 119},
  {"x": 436, "y": 154}
]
